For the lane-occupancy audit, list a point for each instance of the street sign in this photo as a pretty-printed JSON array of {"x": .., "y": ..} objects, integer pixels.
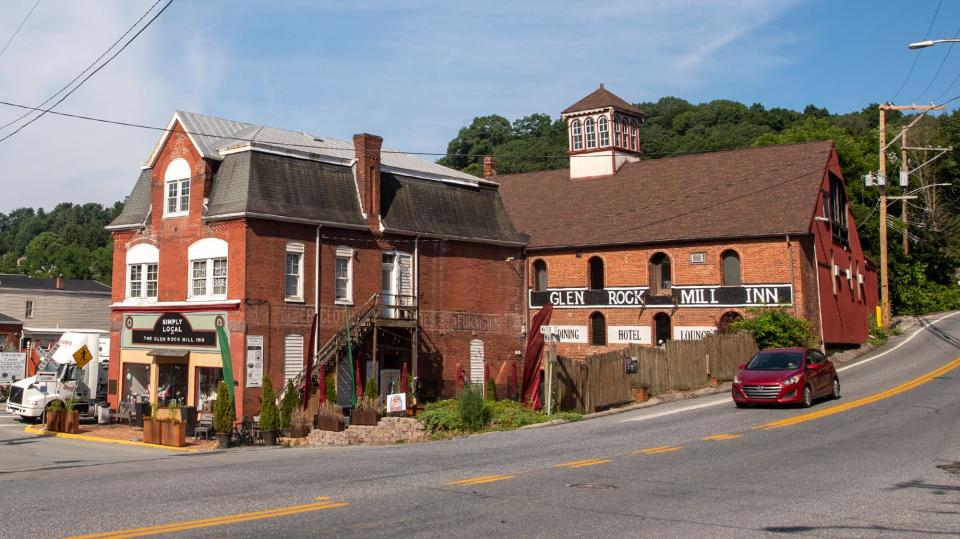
[
  {"x": 82, "y": 356},
  {"x": 46, "y": 377}
]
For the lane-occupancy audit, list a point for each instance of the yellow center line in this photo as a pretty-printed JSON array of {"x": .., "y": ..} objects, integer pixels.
[
  {"x": 721, "y": 437},
  {"x": 870, "y": 399},
  {"x": 481, "y": 480},
  {"x": 583, "y": 463},
  {"x": 658, "y": 450},
  {"x": 322, "y": 498},
  {"x": 214, "y": 521}
]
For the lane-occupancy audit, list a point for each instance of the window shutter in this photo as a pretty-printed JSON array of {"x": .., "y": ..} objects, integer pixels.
[
  {"x": 476, "y": 361},
  {"x": 292, "y": 356}
]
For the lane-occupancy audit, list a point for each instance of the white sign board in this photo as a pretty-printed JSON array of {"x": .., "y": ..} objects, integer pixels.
[
  {"x": 46, "y": 377},
  {"x": 569, "y": 334},
  {"x": 254, "y": 360},
  {"x": 692, "y": 333},
  {"x": 396, "y": 402},
  {"x": 629, "y": 334},
  {"x": 13, "y": 367}
]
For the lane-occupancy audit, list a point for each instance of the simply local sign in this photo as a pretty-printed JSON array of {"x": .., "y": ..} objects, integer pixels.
[
  {"x": 680, "y": 296},
  {"x": 174, "y": 329}
]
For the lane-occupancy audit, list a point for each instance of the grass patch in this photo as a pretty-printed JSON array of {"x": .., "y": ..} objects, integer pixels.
[{"x": 444, "y": 419}]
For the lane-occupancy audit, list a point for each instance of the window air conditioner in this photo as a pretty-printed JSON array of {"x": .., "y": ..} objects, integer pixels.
[
  {"x": 859, "y": 278},
  {"x": 698, "y": 258},
  {"x": 836, "y": 270}
]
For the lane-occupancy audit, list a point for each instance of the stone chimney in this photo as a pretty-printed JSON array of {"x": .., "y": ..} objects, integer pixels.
[
  {"x": 58, "y": 282},
  {"x": 489, "y": 166},
  {"x": 367, "y": 151}
]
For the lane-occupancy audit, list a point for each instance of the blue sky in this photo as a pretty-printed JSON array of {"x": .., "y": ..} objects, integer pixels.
[{"x": 415, "y": 72}]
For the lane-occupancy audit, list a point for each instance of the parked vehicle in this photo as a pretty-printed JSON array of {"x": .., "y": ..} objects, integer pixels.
[
  {"x": 59, "y": 378},
  {"x": 786, "y": 376}
]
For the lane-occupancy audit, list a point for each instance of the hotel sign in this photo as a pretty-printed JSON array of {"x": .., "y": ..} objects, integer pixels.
[
  {"x": 629, "y": 334},
  {"x": 679, "y": 296}
]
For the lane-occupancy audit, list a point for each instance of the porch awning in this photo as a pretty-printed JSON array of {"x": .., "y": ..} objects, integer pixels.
[{"x": 168, "y": 353}]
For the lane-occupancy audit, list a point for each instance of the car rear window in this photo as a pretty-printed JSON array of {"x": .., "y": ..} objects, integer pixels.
[{"x": 775, "y": 361}]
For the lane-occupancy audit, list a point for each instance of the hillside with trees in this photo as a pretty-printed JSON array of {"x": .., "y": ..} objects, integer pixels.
[{"x": 922, "y": 281}]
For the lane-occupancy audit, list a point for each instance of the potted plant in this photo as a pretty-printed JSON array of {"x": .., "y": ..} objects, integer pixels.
[
  {"x": 71, "y": 417},
  {"x": 54, "y": 417},
  {"x": 299, "y": 426},
  {"x": 641, "y": 393},
  {"x": 269, "y": 415},
  {"x": 173, "y": 430},
  {"x": 289, "y": 403},
  {"x": 329, "y": 417},
  {"x": 223, "y": 416},
  {"x": 366, "y": 412},
  {"x": 152, "y": 425}
]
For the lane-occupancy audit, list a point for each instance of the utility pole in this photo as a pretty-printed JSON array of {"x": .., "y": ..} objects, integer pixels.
[{"x": 904, "y": 181}]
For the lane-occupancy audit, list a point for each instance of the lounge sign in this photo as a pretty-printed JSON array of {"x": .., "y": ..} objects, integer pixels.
[
  {"x": 679, "y": 296},
  {"x": 173, "y": 329}
]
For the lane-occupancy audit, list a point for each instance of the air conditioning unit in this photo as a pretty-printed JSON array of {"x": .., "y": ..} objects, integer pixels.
[
  {"x": 698, "y": 258},
  {"x": 836, "y": 270},
  {"x": 859, "y": 278},
  {"x": 849, "y": 274}
]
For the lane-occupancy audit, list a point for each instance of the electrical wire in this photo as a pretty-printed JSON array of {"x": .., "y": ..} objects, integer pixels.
[
  {"x": 917, "y": 57},
  {"x": 92, "y": 73},
  {"x": 940, "y": 68},
  {"x": 17, "y": 31}
]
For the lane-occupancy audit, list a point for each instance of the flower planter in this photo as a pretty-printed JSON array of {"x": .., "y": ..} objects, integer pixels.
[
  {"x": 71, "y": 422},
  {"x": 173, "y": 434},
  {"x": 299, "y": 431},
  {"x": 329, "y": 422},
  {"x": 151, "y": 430},
  {"x": 270, "y": 437},
  {"x": 223, "y": 440},
  {"x": 54, "y": 420},
  {"x": 641, "y": 394},
  {"x": 364, "y": 417}
]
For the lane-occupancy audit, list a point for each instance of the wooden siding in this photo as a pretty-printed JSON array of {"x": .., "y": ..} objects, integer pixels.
[{"x": 57, "y": 309}]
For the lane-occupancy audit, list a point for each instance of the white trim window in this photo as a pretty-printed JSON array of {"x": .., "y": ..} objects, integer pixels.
[
  {"x": 293, "y": 272},
  {"x": 591, "y": 133},
  {"x": 343, "y": 288},
  {"x": 142, "y": 264},
  {"x": 176, "y": 188},
  {"x": 577, "y": 135},
  {"x": 208, "y": 269},
  {"x": 616, "y": 131},
  {"x": 604, "y": 131}
]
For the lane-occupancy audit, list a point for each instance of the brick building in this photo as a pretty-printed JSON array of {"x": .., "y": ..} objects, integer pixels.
[
  {"x": 632, "y": 250},
  {"x": 257, "y": 229}
]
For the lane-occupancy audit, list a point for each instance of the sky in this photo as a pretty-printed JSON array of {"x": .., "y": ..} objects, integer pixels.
[{"x": 416, "y": 72}]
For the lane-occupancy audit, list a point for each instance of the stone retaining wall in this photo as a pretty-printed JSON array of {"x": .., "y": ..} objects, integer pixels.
[{"x": 389, "y": 430}]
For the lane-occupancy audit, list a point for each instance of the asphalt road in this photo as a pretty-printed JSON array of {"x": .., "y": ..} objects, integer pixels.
[{"x": 864, "y": 466}]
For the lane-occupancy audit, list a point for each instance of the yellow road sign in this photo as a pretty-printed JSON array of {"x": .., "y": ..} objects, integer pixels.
[{"x": 82, "y": 356}]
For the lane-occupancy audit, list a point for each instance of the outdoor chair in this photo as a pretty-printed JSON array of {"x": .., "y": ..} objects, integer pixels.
[
  {"x": 204, "y": 428},
  {"x": 126, "y": 410}
]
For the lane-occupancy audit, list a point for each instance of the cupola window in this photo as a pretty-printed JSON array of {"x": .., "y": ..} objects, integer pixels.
[
  {"x": 577, "y": 135},
  {"x": 589, "y": 127},
  {"x": 604, "y": 132}
]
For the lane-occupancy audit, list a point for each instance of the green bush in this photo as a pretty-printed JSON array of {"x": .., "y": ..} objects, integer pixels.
[
  {"x": 269, "y": 415},
  {"x": 491, "y": 395},
  {"x": 223, "y": 412},
  {"x": 912, "y": 293},
  {"x": 775, "y": 328},
  {"x": 441, "y": 416},
  {"x": 331, "y": 387},
  {"x": 474, "y": 412},
  {"x": 371, "y": 390},
  {"x": 290, "y": 402},
  {"x": 507, "y": 414}
]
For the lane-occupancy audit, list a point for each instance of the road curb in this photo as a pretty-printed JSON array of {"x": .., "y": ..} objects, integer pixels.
[{"x": 88, "y": 438}]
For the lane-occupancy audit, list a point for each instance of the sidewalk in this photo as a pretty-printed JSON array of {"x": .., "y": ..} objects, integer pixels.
[{"x": 122, "y": 435}]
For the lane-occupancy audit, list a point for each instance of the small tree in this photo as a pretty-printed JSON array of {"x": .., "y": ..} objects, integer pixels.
[
  {"x": 491, "y": 390},
  {"x": 223, "y": 412},
  {"x": 473, "y": 410},
  {"x": 290, "y": 402},
  {"x": 331, "y": 387},
  {"x": 371, "y": 390},
  {"x": 775, "y": 328},
  {"x": 269, "y": 415}
]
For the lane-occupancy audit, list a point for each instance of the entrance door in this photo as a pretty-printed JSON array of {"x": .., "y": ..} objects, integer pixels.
[
  {"x": 389, "y": 289},
  {"x": 662, "y": 330}
]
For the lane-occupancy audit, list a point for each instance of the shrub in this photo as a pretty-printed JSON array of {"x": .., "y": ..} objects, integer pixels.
[
  {"x": 367, "y": 403},
  {"x": 474, "y": 412},
  {"x": 441, "y": 416},
  {"x": 223, "y": 412},
  {"x": 290, "y": 402},
  {"x": 775, "y": 328},
  {"x": 331, "y": 387},
  {"x": 509, "y": 414},
  {"x": 329, "y": 409},
  {"x": 912, "y": 293},
  {"x": 491, "y": 390},
  {"x": 55, "y": 406},
  {"x": 371, "y": 390},
  {"x": 70, "y": 405},
  {"x": 269, "y": 415}
]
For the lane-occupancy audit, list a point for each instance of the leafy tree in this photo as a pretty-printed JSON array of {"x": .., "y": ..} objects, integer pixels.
[{"x": 775, "y": 328}]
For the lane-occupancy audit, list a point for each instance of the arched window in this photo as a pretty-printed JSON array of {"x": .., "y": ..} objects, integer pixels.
[
  {"x": 142, "y": 262},
  {"x": 661, "y": 328},
  {"x": 591, "y": 133},
  {"x": 660, "y": 274},
  {"x": 731, "y": 268},
  {"x": 577, "y": 135},
  {"x": 604, "y": 132},
  {"x": 176, "y": 182},
  {"x": 595, "y": 273},
  {"x": 539, "y": 276},
  {"x": 616, "y": 130},
  {"x": 726, "y": 319},
  {"x": 633, "y": 134},
  {"x": 598, "y": 329}
]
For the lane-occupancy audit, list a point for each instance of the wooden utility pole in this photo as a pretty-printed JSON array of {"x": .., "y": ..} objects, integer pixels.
[{"x": 905, "y": 171}]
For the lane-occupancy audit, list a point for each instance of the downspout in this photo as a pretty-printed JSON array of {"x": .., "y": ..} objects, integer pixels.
[
  {"x": 793, "y": 276},
  {"x": 416, "y": 330}
]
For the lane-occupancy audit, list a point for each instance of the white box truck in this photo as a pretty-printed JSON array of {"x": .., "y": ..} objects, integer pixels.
[{"x": 59, "y": 378}]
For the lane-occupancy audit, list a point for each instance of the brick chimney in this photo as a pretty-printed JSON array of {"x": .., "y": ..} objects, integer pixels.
[
  {"x": 489, "y": 166},
  {"x": 367, "y": 150},
  {"x": 58, "y": 282}
]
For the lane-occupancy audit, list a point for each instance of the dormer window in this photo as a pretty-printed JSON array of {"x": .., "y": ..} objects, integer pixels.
[
  {"x": 577, "y": 135},
  {"x": 591, "y": 133},
  {"x": 604, "y": 132},
  {"x": 616, "y": 131},
  {"x": 176, "y": 188}
]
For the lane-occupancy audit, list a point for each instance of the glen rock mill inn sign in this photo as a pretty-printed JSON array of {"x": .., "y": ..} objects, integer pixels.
[{"x": 680, "y": 296}]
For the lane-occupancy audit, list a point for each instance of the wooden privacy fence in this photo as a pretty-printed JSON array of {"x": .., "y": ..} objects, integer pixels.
[{"x": 600, "y": 381}]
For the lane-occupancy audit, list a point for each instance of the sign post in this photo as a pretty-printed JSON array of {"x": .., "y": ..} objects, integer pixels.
[{"x": 551, "y": 334}]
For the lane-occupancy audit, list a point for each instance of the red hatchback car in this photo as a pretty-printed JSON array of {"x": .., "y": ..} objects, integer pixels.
[{"x": 786, "y": 376}]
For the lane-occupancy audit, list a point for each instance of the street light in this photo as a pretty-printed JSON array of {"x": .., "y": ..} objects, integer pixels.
[{"x": 931, "y": 42}]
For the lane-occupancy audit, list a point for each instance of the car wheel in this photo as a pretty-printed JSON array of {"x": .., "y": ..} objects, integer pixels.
[
  {"x": 836, "y": 389},
  {"x": 807, "y": 397},
  {"x": 740, "y": 404}
]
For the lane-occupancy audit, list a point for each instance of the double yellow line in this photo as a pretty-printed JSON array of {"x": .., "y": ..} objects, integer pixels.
[
  {"x": 657, "y": 450},
  {"x": 870, "y": 399},
  {"x": 481, "y": 480},
  {"x": 215, "y": 521},
  {"x": 583, "y": 463}
]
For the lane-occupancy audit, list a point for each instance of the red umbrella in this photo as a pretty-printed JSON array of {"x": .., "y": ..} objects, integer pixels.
[
  {"x": 403, "y": 379},
  {"x": 322, "y": 392},
  {"x": 358, "y": 379},
  {"x": 531, "y": 359}
]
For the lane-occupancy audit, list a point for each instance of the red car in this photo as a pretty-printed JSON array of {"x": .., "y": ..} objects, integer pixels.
[{"x": 786, "y": 376}]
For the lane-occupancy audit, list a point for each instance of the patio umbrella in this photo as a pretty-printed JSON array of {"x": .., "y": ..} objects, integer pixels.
[
  {"x": 358, "y": 380},
  {"x": 403, "y": 379},
  {"x": 531, "y": 359}
]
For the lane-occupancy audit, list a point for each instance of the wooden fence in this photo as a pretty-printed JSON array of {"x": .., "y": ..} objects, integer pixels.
[{"x": 600, "y": 381}]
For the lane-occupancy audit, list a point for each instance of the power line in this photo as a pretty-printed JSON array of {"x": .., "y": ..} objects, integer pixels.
[
  {"x": 917, "y": 57},
  {"x": 17, "y": 31},
  {"x": 95, "y": 71},
  {"x": 940, "y": 68}
]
